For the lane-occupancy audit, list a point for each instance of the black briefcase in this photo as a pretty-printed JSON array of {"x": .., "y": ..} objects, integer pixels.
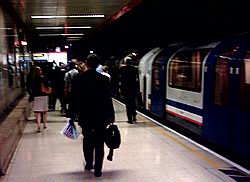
[{"x": 112, "y": 139}]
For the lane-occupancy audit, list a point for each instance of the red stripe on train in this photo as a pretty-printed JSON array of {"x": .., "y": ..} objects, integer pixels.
[{"x": 184, "y": 117}]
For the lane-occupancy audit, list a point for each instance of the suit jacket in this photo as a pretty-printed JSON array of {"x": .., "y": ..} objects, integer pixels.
[
  {"x": 129, "y": 79},
  {"x": 90, "y": 99}
]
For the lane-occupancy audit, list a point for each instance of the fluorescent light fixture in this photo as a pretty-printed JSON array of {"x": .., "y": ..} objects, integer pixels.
[
  {"x": 58, "y": 34},
  {"x": 67, "y": 16},
  {"x": 58, "y": 28},
  {"x": 58, "y": 49},
  {"x": 86, "y": 16},
  {"x": 46, "y": 28},
  {"x": 47, "y": 17},
  {"x": 49, "y": 35},
  {"x": 24, "y": 43},
  {"x": 78, "y": 27},
  {"x": 74, "y": 37},
  {"x": 10, "y": 35},
  {"x": 6, "y": 28},
  {"x": 70, "y": 34}
]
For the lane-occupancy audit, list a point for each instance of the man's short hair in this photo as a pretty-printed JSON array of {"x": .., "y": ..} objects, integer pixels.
[
  {"x": 105, "y": 68},
  {"x": 93, "y": 61},
  {"x": 128, "y": 60},
  {"x": 72, "y": 65}
]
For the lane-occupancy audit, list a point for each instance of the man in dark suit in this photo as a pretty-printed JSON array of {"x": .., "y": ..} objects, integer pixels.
[
  {"x": 129, "y": 79},
  {"x": 90, "y": 100}
]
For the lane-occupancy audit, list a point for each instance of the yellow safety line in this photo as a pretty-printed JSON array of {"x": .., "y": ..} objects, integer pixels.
[{"x": 195, "y": 152}]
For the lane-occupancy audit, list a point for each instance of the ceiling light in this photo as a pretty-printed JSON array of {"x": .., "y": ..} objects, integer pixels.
[
  {"x": 55, "y": 28},
  {"x": 10, "y": 35},
  {"x": 48, "y": 35},
  {"x": 57, "y": 34},
  {"x": 24, "y": 43},
  {"x": 78, "y": 27},
  {"x": 45, "y": 28},
  {"x": 86, "y": 16},
  {"x": 74, "y": 37},
  {"x": 6, "y": 28},
  {"x": 72, "y": 34},
  {"x": 47, "y": 17},
  {"x": 67, "y": 16}
]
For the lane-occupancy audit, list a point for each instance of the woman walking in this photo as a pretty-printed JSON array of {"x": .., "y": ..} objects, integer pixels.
[{"x": 40, "y": 106}]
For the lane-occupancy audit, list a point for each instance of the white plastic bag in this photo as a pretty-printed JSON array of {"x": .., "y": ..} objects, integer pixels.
[{"x": 70, "y": 130}]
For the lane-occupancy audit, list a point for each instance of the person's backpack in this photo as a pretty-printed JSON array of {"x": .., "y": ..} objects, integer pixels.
[{"x": 112, "y": 139}]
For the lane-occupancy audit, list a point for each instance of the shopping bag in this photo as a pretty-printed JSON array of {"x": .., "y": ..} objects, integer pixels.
[{"x": 70, "y": 130}]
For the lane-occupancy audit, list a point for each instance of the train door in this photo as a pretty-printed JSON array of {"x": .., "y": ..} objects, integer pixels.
[
  {"x": 227, "y": 99},
  {"x": 158, "y": 85},
  {"x": 158, "y": 80},
  {"x": 143, "y": 63},
  {"x": 241, "y": 107},
  {"x": 149, "y": 78},
  {"x": 218, "y": 97}
]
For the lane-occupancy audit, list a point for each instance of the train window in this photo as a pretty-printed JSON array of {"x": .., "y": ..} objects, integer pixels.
[
  {"x": 222, "y": 78},
  {"x": 156, "y": 76},
  {"x": 245, "y": 84},
  {"x": 185, "y": 70}
]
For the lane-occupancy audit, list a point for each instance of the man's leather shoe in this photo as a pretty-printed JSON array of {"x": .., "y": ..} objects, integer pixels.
[
  {"x": 130, "y": 122},
  {"x": 98, "y": 173},
  {"x": 88, "y": 167}
]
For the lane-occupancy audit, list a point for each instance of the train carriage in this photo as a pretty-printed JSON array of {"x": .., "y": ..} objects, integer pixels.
[{"x": 202, "y": 89}]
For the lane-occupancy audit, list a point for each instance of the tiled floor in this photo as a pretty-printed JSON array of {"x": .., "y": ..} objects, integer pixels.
[{"x": 148, "y": 152}]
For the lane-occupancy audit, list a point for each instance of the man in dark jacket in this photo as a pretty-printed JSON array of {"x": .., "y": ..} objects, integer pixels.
[
  {"x": 129, "y": 79},
  {"x": 91, "y": 101}
]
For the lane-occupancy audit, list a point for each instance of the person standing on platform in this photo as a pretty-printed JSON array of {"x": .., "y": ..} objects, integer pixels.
[
  {"x": 68, "y": 78},
  {"x": 105, "y": 72},
  {"x": 92, "y": 103},
  {"x": 60, "y": 72},
  {"x": 40, "y": 106},
  {"x": 129, "y": 79}
]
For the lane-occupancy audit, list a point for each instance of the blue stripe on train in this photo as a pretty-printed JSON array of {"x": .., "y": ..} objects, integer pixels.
[{"x": 185, "y": 107}]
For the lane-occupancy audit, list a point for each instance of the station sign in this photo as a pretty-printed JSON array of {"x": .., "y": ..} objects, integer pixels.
[{"x": 40, "y": 56}]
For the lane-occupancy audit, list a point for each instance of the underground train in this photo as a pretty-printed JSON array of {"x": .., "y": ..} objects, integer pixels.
[{"x": 204, "y": 88}]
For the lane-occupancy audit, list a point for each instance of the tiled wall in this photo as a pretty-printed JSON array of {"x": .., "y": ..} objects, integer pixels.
[{"x": 9, "y": 75}]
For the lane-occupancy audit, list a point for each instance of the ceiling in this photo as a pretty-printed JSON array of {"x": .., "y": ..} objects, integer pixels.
[
  {"x": 132, "y": 23},
  {"x": 49, "y": 32}
]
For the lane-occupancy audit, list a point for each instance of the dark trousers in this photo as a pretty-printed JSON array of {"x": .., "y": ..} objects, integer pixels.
[
  {"x": 93, "y": 147},
  {"x": 53, "y": 98},
  {"x": 62, "y": 100},
  {"x": 129, "y": 100},
  {"x": 52, "y": 101}
]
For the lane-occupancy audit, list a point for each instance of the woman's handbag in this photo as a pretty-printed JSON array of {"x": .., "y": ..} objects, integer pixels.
[
  {"x": 46, "y": 90},
  {"x": 112, "y": 139}
]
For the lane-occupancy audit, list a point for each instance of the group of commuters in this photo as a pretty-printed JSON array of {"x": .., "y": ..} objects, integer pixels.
[{"x": 88, "y": 95}]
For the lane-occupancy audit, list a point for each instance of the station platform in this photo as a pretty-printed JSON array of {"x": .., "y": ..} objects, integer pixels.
[{"x": 148, "y": 152}]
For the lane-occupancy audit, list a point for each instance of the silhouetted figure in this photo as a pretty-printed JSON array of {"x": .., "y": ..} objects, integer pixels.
[
  {"x": 29, "y": 83},
  {"x": 90, "y": 100},
  {"x": 59, "y": 85},
  {"x": 129, "y": 80},
  {"x": 105, "y": 72},
  {"x": 40, "y": 106}
]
